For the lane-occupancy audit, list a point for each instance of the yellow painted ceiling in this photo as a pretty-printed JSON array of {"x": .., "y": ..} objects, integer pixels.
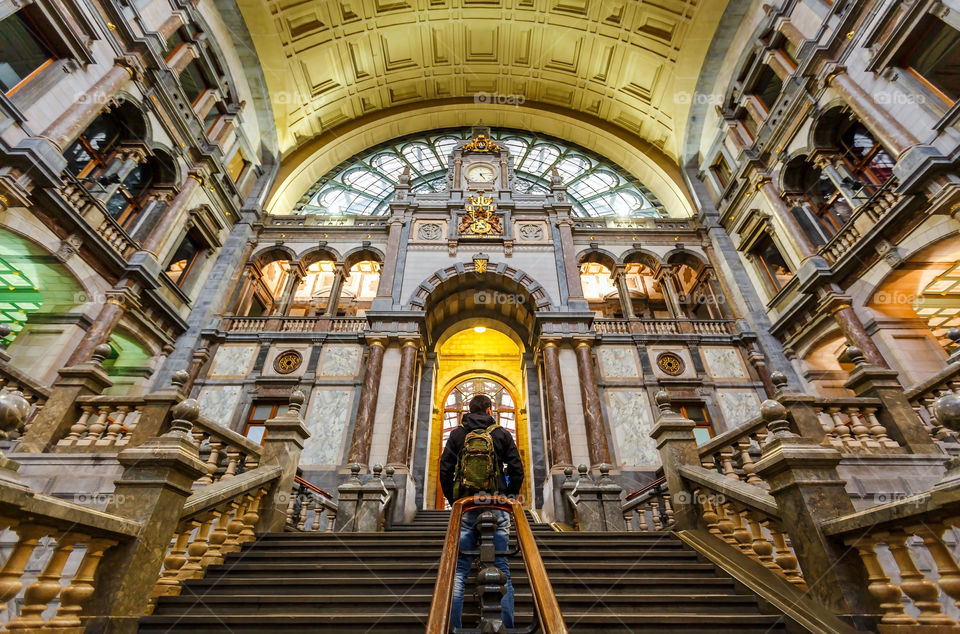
[{"x": 614, "y": 64}]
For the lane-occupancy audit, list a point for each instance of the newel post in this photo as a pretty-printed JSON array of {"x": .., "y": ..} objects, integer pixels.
[
  {"x": 804, "y": 481},
  {"x": 155, "y": 484},
  {"x": 60, "y": 412},
  {"x": 282, "y": 445},
  {"x": 677, "y": 446}
]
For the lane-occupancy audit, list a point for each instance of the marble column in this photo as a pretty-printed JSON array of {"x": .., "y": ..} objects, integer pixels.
[
  {"x": 389, "y": 268},
  {"x": 884, "y": 126},
  {"x": 333, "y": 303},
  {"x": 560, "y": 454},
  {"x": 363, "y": 429},
  {"x": 570, "y": 269},
  {"x": 620, "y": 275},
  {"x": 794, "y": 234},
  {"x": 294, "y": 277},
  {"x": 237, "y": 282},
  {"x": 119, "y": 299},
  {"x": 75, "y": 119},
  {"x": 398, "y": 454},
  {"x": 597, "y": 446},
  {"x": 172, "y": 216},
  {"x": 853, "y": 330},
  {"x": 670, "y": 293}
]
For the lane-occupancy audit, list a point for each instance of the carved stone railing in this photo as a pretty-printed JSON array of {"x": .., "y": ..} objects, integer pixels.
[
  {"x": 746, "y": 517},
  {"x": 863, "y": 219},
  {"x": 734, "y": 452},
  {"x": 924, "y": 522},
  {"x": 104, "y": 423},
  {"x": 216, "y": 521},
  {"x": 94, "y": 212},
  {"x": 311, "y": 509},
  {"x": 664, "y": 326},
  {"x": 649, "y": 508},
  {"x": 851, "y": 425},
  {"x": 228, "y": 453},
  {"x": 233, "y": 323},
  {"x": 593, "y": 505},
  {"x": 41, "y": 523}
]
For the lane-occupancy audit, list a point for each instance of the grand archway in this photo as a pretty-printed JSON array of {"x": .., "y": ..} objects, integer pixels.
[{"x": 478, "y": 357}]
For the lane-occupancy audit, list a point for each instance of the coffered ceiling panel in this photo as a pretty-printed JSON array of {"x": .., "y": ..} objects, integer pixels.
[{"x": 330, "y": 62}]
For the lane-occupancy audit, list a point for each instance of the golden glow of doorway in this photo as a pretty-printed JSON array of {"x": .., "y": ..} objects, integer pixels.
[{"x": 477, "y": 360}]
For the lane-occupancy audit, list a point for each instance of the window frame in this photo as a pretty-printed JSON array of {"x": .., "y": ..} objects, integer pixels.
[
  {"x": 249, "y": 421},
  {"x": 191, "y": 234}
]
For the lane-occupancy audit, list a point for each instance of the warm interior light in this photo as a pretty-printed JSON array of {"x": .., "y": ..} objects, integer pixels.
[{"x": 479, "y": 329}]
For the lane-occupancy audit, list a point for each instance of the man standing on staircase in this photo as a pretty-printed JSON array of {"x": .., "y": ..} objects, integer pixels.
[{"x": 475, "y": 427}]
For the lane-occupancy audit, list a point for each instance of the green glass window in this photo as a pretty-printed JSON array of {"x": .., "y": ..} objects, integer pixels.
[{"x": 364, "y": 184}]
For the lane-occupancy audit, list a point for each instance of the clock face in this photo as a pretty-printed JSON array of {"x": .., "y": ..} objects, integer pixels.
[{"x": 481, "y": 174}]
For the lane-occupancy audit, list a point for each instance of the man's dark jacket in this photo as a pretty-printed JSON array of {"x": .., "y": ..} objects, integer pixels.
[{"x": 503, "y": 445}]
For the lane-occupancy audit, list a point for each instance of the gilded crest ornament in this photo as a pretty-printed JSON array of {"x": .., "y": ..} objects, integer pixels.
[
  {"x": 481, "y": 144},
  {"x": 287, "y": 362},
  {"x": 670, "y": 363},
  {"x": 481, "y": 217}
]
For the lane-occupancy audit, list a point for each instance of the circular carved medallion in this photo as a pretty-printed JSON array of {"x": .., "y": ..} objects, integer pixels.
[
  {"x": 669, "y": 363},
  {"x": 287, "y": 362}
]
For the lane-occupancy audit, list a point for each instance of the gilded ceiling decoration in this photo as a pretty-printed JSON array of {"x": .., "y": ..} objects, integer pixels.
[{"x": 621, "y": 61}]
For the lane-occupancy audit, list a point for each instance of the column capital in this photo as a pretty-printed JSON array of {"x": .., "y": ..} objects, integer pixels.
[
  {"x": 832, "y": 71},
  {"x": 377, "y": 340},
  {"x": 833, "y": 302},
  {"x": 581, "y": 341}
]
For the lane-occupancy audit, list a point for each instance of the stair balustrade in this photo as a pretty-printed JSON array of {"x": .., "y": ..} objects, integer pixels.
[
  {"x": 546, "y": 608},
  {"x": 366, "y": 506},
  {"x": 594, "y": 506},
  {"x": 311, "y": 509},
  {"x": 650, "y": 507}
]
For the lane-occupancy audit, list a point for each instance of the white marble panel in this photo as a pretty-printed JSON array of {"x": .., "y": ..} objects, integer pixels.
[
  {"x": 738, "y": 406},
  {"x": 217, "y": 402},
  {"x": 629, "y": 414},
  {"x": 233, "y": 360},
  {"x": 326, "y": 421},
  {"x": 618, "y": 362},
  {"x": 340, "y": 360},
  {"x": 724, "y": 363}
]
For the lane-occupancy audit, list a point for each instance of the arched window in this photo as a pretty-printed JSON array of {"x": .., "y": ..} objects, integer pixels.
[
  {"x": 364, "y": 185},
  {"x": 869, "y": 162},
  {"x": 457, "y": 404}
]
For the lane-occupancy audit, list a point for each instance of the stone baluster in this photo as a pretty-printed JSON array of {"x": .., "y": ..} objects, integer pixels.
[
  {"x": 193, "y": 568},
  {"x": 914, "y": 584},
  {"x": 761, "y": 546},
  {"x": 169, "y": 582},
  {"x": 28, "y": 536},
  {"x": 218, "y": 536},
  {"x": 886, "y": 593},
  {"x": 47, "y": 586},
  {"x": 81, "y": 588},
  {"x": 784, "y": 558}
]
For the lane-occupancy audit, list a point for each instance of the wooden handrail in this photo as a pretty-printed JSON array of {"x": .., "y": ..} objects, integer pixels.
[
  {"x": 645, "y": 488},
  {"x": 544, "y": 600},
  {"x": 312, "y": 487}
]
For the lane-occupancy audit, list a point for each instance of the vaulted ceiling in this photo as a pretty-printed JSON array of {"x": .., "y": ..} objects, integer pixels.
[{"x": 626, "y": 65}]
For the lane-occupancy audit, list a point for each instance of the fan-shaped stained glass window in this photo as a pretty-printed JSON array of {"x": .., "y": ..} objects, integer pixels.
[
  {"x": 458, "y": 404},
  {"x": 364, "y": 184}
]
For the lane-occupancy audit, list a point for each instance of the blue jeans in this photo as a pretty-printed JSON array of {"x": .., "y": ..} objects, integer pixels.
[{"x": 469, "y": 536}]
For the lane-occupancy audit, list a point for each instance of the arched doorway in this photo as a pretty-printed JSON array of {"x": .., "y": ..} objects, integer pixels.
[{"x": 477, "y": 359}]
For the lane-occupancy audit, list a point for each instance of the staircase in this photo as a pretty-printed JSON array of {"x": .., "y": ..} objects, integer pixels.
[{"x": 364, "y": 582}]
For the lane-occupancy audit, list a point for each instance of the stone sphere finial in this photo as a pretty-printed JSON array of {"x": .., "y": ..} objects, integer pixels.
[
  {"x": 568, "y": 473},
  {"x": 583, "y": 470},
  {"x": 13, "y": 411},
  {"x": 779, "y": 379},
  {"x": 855, "y": 355},
  {"x": 297, "y": 397},
  {"x": 100, "y": 353},
  {"x": 775, "y": 415},
  {"x": 377, "y": 470},
  {"x": 5, "y": 330},
  {"x": 185, "y": 413},
  {"x": 953, "y": 335},
  {"x": 179, "y": 378},
  {"x": 662, "y": 399},
  {"x": 946, "y": 410},
  {"x": 604, "y": 469},
  {"x": 389, "y": 471},
  {"x": 355, "y": 470}
]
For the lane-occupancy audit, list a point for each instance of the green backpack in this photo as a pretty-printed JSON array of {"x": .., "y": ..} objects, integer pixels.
[{"x": 477, "y": 467}]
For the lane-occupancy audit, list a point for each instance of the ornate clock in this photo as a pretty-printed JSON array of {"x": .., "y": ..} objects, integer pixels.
[
  {"x": 481, "y": 174},
  {"x": 287, "y": 362}
]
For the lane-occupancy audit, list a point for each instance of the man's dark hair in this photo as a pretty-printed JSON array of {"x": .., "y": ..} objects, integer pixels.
[{"x": 480, "y": 403}]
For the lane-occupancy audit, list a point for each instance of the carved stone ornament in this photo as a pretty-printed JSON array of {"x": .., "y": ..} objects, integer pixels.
[
  {"x": 531, "y": 232},
  {"x": 670, "y": 363},
  {"x": 287, "y": 362},
  {"x": 429, "y": 231}
]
